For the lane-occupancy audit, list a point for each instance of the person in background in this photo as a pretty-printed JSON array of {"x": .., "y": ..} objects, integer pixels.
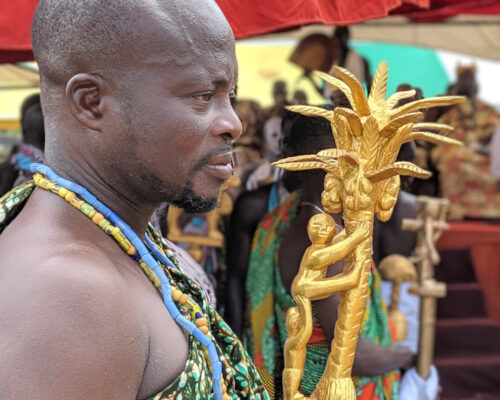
[
  {"x": 275, "y": 255},
  {"x": 465, "y": 176},
  {"x": 264, "y": 173},
  {"x": 31, "y": 149},
  {"x": 495, "y": 153},
  {"x": 299, "y": 97},
  {"x": 280, "y": 96},
  {"x": 16, "y": 169}
]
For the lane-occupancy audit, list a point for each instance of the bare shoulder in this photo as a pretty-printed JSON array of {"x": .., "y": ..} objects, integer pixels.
[{"x": 68, "y": 326}]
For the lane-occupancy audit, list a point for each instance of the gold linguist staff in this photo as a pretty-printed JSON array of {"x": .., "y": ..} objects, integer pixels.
[{"x": 362, "y": 181}]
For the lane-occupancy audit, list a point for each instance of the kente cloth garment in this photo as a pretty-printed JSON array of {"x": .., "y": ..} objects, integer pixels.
[
  {"x": 187, "y": 264},
  {"x": 195, "y": 381},
  {"x": 268, "y": 301},
  {"x": 465, "y": 176}
]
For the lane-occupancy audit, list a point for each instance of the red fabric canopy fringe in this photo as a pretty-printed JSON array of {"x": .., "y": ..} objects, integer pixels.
[
  {"x": 443, "y": 9},
  {"x": 251, "y": 18},
  {"x": 256, "y": 17},
  {"x": 15, "y": 25}
]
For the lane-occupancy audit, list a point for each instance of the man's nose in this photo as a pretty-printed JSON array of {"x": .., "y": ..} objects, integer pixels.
[{"x": 227, "y": 122}]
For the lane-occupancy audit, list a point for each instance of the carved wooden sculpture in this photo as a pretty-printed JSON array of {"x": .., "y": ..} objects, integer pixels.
[
  {"x": 397, "y": 269},
  {"x": 429, "y": 225},
  {"x": 362, "y": 180}
]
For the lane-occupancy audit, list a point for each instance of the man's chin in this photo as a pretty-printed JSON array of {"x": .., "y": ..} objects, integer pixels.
[{"x": 196, "y": 204}]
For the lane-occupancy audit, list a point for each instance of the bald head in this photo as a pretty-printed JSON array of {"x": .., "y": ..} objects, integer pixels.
[
  {"x": 100, "y": 36},
  {"x": 138, "y": 94}
]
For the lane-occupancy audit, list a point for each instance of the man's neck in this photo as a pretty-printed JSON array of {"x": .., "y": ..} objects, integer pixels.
[{"x": 131, "y": 210}]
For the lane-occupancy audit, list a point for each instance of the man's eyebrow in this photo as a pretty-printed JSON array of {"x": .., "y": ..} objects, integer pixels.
[{"x": 219, "y": 82}]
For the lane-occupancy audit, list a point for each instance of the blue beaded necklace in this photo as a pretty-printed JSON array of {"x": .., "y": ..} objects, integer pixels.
[{"x": 152, "y": 259}]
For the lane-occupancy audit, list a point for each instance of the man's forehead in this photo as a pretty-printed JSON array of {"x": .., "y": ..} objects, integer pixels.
[
  {"x": 218, "y": 68},
  {"x": 177, "y": 32}
]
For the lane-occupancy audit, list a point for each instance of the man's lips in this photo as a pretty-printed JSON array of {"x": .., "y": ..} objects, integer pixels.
[{"x": 220, "y": 166}]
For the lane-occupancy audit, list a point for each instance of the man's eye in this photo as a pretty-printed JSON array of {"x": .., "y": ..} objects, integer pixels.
[{"x": 203, "y": 96}]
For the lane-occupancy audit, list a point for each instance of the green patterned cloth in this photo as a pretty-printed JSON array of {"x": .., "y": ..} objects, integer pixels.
[
  {"x": 195, "y": 381},
  {"x": 268, "y": 301}
]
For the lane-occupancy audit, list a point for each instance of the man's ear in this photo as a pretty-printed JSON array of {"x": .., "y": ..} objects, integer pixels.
[{"x": 84, "y": 97}]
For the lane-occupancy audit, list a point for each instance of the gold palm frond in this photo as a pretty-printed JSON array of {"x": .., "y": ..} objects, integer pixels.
[
  {"x": 373, "y": 131},
  {"x": 422, "y": 104},
  {"x": 311, "y": 111},
  {"x": 392, "y": 127},
  {"x": 396, "y": 97},
  {"x": 399, "y": 168},
  {"x": 338, "y": 84},
  {"x": 358, "y": 93},
  {"x": 308, "y": 162},
  {"x": 432, "y": 126}
]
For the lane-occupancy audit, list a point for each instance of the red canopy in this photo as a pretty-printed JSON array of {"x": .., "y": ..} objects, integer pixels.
[
  {"x": 250, "y": 18},
  {"x": 15, "y": 24},
  {"x": 256, "y": 17}
]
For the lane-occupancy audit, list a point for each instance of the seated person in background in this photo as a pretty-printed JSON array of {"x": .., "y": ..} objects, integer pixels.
[
  {"x": 278, "y": 246},
  {"x": 389, "y": 238},
  {"x": 465, "y": 176}
]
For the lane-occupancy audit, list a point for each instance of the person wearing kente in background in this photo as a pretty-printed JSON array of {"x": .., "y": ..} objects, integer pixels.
[
  {"x": 465, "y": 176},
  {"x": 249, "y": 209},
  {"x": 276, "y": 253},
  {"x": 136, "y": 97}
]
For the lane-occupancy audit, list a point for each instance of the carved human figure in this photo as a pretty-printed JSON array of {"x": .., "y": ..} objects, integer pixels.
[{"x": 310, "y": 284}]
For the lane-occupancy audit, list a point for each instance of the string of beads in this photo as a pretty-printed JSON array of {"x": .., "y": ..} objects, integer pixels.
[{"x": 112, "y": 225}]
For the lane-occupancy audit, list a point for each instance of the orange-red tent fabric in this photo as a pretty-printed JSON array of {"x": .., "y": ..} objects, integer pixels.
[
  {"x": 15, "y": 24},
  {"x": 251, "y": 18}
]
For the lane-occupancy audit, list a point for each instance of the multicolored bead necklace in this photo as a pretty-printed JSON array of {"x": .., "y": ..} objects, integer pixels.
[{"x": 149, "y": 260}]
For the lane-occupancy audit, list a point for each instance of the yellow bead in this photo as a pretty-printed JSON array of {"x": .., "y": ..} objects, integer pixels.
[
  {"x": 77, "y": 203},
  {"x": 201, "y": 322},
  {"x": 69, "y": 196},
  {"x": 183, "y": 299},
  {"x": 131, "y": 251},
  {"x": 98, "y": 217},
  {"x": 176, "y": 294},
  {"x": 63, "y": 192},
  {"x": 104, "y": 224},
  {"x": 204, "y": 329}
]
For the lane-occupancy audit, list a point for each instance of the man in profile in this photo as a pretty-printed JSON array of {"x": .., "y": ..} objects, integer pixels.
[{"x": 136, "y": 97}]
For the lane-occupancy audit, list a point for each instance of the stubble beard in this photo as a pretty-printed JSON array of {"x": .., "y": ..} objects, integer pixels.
[{"x": 187, "y": 199}]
